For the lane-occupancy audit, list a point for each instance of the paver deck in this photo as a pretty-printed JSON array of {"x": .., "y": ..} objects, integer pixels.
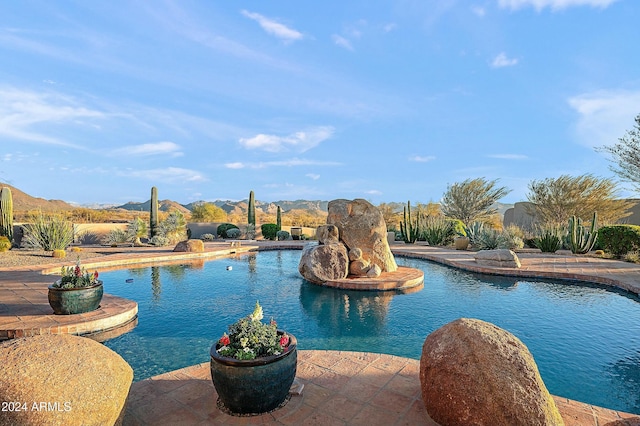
[{"x": 349, "y": 388}]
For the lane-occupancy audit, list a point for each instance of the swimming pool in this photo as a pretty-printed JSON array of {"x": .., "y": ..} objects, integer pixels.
[{"x": 584, "y": 338}]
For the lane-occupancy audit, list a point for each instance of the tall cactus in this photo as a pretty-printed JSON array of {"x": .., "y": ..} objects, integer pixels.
[
  {"x": 251, "y": 215},
  {"x": 6, "y": 213},
  {"x": 408, "y": 227},
  {"x": 153, "y": 213},
  {"x": 582, "y": 241},
  {"x": 279, "y": 218}
]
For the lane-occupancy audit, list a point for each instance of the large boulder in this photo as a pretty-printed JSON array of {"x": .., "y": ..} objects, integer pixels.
[
  {"x": 501, "y": 258},
  {"x": 193, "y": 246},
  {"x": 324, "y": 262},
  {"x": 362, "y": 225},
  {"x": 62, "y": 380},
  {"x": 475, "y": 373},
  {"x": 327, "y": 234}
]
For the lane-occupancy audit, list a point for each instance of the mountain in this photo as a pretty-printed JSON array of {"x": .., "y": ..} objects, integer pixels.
[
  {"x": 23, "y": 202},
  {"x": 163, "y": 206}
]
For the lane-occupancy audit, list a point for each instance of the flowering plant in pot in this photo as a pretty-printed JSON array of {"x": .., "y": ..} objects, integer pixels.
[
  {"x": 76, "y": 292},
  {"x": 253, "y": 366}
]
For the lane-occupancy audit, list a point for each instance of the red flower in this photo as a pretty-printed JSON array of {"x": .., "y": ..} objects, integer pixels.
[
  {"x": 95, "y": 275},
  {"x": 77, "y": 272},
  {"x": 284, "y": 340},
  {"x": 224, "y": 340},
  {"x": 273, "y": 322}
]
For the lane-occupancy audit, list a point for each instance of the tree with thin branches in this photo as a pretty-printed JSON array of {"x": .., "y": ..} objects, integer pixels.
[
  {"x": 626, "y": 154},
  {"x": 472, "y": 200}
]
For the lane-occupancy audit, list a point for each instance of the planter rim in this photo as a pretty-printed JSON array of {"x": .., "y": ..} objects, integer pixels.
[
  {"x": 291, "y": 347},
  {"x": 51, "y": 286}
]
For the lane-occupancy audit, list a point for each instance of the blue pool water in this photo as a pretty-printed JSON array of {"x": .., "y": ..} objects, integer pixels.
[{"x": 585, "y": 339}]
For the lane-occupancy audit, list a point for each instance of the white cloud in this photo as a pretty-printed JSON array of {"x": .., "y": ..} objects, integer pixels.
[
  {"x": 503, "y": 61},
  {"x": 508, "y": 156},
  {"x": 604, "y": 116},
  {"x": 149, "y": 149},
  {"x": 21, "y": 111},
  {"x": 236, "y": 165},
  {"x": 298, "y": 142},
  {"x": 373, "y": 192},
  {"x": 553, "y": 4},
  {"x": 342, "y": 42},
  {"x": 167, "y": 175},
  {"x": 422, "y": 159},
  {"x": 313, "y": 176},
  {"x": 294, "y": 162},
  {"x": 273, "y": 27},
  {"x": 389, "y": 27},
  {"x": 6, "y": 157}
]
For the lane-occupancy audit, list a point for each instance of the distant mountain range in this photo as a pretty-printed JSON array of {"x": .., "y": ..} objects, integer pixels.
[{"x": 25, "y": 202}]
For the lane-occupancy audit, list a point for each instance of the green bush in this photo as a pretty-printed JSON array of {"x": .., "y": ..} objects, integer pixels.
[
  {"x": 49, "y": 232},
  {"x": 282, "y": 235},
  {"x": 488, "y": 239},
  {"x": 223, "y": 228},
  {"x": 438, "y": 231},
  {"x": 458, "y": 227},
  {"x": 269, "y": 231},
  {"x": 549, "y": 239},
  {"x": 619, "y": 239},
  {"x": 233, "y": 233}
]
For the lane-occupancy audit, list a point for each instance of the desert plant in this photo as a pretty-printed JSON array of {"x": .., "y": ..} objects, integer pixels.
[
  {"x": 279, "y": 218},
  {"x": 472, "y": 199},
  {"x": 6, "y": 213},
  {"x": 207, "y": 237},
  {"x": 282, "y": 235},
  {"x": 48, "y": 232},
  {"x": 5, "y": 244},
  {"x": 233, "y": 233},
  {"x": 115, "y": 237},
  {"x": 438, "y": 231},
  {"x": 489, "y": 239},
  {"x": 409, "y": 228},
  {"x": 174, "y": 227},
  {"x": 223, "y": 227},
  {"x": 59, "y": 254},
  {"x": 619, "y": 239},
  {"x": 207, "y": 212},
  {"x": 250, "y": 232},
  {"x": 269, "y": 231},
  {"x": 549, "y": 238},
  {"x": 512, "y": 238},
  {"x": 153, "y": 212},
  {"x": 582, "y": 241},
  {"x": 473, "y": 232},
  {"x": 251, "y": 213},
  {"x": 159, "y": 241},
  {"x": 137, "y": 229}
]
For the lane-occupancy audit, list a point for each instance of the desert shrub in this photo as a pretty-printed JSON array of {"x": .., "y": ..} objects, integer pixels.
[
  {"x": 511, "y": 238},
  {"x": 174, "y": 227},
  {"x": 233, "y": 233},
  {"x": 223, "y": 228},
  {"x": 48, "y": 232},
  {"x": 619, "y": 239},
  {"x": 250, "y": 231},
  {"x": 473, "y": 232},
  {"x": 458, "y": 227},
  {"x": 5, "y": 244},
  {"x": 437, "y": 231},
  {"x": 159, "y": 240},
  {"x": 207, "y": 237},
  {"x": 269, "y": 231},
  {"x": 549, "y": 238},
  {"x": 59, "y": 254},
  {"x": 488, "y": 239},
  {"x": 116, "y": 236},
  {"x": 88, "y": 237},
  {"x": 632, "y": 256},
  {"x": 282, "y": 235}
]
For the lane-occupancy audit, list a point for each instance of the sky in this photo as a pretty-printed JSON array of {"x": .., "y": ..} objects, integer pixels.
[{"x": 388, "y": 101}]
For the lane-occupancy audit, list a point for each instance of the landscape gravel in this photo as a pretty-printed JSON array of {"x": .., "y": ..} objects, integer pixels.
[{"x": 25, "y": 258}]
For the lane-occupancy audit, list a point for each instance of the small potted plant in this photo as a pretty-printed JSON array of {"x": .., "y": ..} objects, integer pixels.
[
  {"x": 253, "y": 366},
  {"x": 76, "y": 292}
]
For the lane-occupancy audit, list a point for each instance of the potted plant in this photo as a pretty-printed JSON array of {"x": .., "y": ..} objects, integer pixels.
[
  {"x": 76, "y": 292},
  {"x": 253, "y": 366}
]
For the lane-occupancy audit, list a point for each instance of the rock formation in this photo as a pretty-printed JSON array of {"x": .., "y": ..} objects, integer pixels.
[
  {"x": 474, "y": 373},
  {"x": 354, "y": 242},
  {"x": 193, "y": 245},
  {"x": 502, "y": 258},
  {"x": 63, "y": 380}
]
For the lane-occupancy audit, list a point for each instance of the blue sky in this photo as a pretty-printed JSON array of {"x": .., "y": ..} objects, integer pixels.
[{"x": 383, "y": 100}]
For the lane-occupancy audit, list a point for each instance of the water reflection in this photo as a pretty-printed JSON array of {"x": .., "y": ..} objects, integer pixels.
[
  {"x": 346, "y": 312},
  {"x": 628, "y": 369}
]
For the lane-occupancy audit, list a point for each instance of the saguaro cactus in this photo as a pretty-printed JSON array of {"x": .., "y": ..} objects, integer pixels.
[
  {"x": 582, "y": 241},
  {"x": 279, "y": 218},
  {"x": 153, "y": 213},
  {"x": 6, "y": 213},
  {"x": 251, "y": 215}
]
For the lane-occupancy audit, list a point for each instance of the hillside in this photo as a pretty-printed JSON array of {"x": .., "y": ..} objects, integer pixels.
[{"x": 23, "y": 202}]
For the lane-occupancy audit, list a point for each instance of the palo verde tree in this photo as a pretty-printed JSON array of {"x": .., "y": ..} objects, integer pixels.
[
  {"x": 555, "y": 200},
  {"x": 626, "y": 154},
  {"x": 208, "y": 212},
  {"x": 471, "y": 200}
]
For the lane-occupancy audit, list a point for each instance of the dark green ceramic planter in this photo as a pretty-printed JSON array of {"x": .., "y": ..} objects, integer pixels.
[
  {"x": 66, "y": 301},
  {"x": 254, "y": 386}
]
